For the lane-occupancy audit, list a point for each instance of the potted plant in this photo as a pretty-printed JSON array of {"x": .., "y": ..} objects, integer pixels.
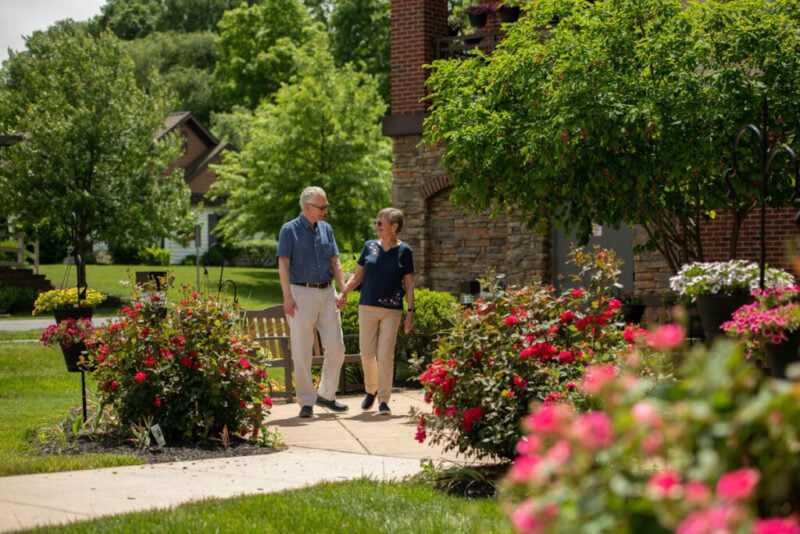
[
  {"x": 508, "y": 11},
  {"x": 721, "y": 287},
  {"x": 65, "y": 303},
  {"x": 632, "y": 306},
  {"x": 478, "y": 14},
  {"x": 770, "y": 325},
  {"x": 71, "y": 335}
]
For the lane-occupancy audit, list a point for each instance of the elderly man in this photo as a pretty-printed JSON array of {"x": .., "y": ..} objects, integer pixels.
[{"x": 308, "y": 262}]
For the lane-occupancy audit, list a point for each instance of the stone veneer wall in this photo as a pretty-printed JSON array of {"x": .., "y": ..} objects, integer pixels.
[{"x": 450, "y": 246}]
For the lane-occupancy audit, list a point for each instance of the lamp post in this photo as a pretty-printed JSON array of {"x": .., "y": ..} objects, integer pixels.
[{"x": 766, "y": 157}]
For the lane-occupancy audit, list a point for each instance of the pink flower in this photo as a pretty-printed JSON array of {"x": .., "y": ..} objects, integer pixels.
[
  {"x": 549, "y": 419},
  {"x": 524, "y": 469},
  {"x": 529, "y": 518},
  {"x": 777, "y": 525},
  {"x": 140, "y": 377},
  {"x": 696, "y": 493},
  {"x": 511, "y": 319},
  {"x": 645, "y": 413},
  {"x": 738, "y": 485},
  {"x": 529, "y": 445},
  {"x": 664, "y": 485},
  {"x": 596, "y": 377},
  {"x": 593, "y": 430},
  {"x": 667, "y": 337},
  {"x": 721, "y": 519}
]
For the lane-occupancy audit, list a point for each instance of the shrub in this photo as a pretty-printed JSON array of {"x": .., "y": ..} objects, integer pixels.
[
  {"x": 715, "y": 451},
  {"x": 17, "y": 299},
  {"x": 183, "y": 366},
  {"x": 516, "y": 347},
  {"x": 154, "y": 256},
  {"x": 434, "y": 317},
  {"x": 435, "y": 313}
]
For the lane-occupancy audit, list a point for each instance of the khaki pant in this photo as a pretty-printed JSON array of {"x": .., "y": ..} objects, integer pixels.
[
  {"x": 316, "y": 311},
  {"x": 377, "y": 336}
]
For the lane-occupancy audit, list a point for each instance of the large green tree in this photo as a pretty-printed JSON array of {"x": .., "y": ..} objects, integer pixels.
[
  {"x": 88, "y": 145},
  {"x": 360, "y": 32},
  {"x": 621, "y": 112},
  {"x": 322, "y": 129},
  {"x": 249, "y": 64},
  {"x": 185, "y": 63}
]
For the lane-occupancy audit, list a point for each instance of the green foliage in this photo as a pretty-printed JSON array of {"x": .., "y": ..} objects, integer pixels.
[
  {"x": 153, "y": 256},
  {"x": 183, "y": 366},
  {"x": 713, "y": 448},
  {"x": 88, "y": 146},
  {"x": 435, "y": 315},
  {"x": 360, "y": 34},
  {"x": 184, "y": 63},
  {"x": 518, "y": 346},
  {"x": 17, "y": 299},
  {"x": 622, "y": 112},
  {"x": 254, "y": 50},
  {"x": 322, "y": 129}
]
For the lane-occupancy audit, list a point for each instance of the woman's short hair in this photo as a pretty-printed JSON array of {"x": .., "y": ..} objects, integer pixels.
[{"x": 393, "y": 216}]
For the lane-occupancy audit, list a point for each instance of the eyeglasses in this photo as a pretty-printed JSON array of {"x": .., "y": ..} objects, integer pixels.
[
  {"x": 320, "y": 208},
  {"x": 378, "y": 223}
]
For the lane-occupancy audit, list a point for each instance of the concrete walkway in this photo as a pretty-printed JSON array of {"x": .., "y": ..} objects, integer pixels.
[{"x": 328, "y": 447}]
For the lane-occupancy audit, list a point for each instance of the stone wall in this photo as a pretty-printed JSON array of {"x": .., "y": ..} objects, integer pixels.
[{"x": 451, "y": 246}]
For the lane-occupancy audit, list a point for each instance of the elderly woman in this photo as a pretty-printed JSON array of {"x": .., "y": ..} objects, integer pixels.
[{"x": 385, "y": 273}]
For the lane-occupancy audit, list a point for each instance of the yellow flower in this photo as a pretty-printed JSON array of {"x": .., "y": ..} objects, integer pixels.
[{"x": 65, "y": 299}]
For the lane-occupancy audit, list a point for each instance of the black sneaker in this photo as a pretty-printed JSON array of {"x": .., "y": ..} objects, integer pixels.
[
  {"x": 306, "y": 411},
  {"x": 383, "y": 409},
  {"x": 334, "y": 405},
  {"x": 368, "y": 401}
]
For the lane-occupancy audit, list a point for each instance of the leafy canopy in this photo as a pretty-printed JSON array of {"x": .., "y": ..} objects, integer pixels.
[
  {"x": 322, "y": 129},
  {"x": 621, "y": 112},
  {"x": 88, "y": 145}
]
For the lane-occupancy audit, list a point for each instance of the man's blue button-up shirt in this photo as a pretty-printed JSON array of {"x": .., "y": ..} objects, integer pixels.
[{"x": 309, "y": 250}]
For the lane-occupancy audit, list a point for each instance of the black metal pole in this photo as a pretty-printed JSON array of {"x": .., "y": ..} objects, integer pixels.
[{"x": 83, "y": 394}]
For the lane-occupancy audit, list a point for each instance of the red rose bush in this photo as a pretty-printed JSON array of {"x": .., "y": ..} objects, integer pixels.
[
  {"x": 183, "y": 366},
  {"x": 522, "y": 345}
]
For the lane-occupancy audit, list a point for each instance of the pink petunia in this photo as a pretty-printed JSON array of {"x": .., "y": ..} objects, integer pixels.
[{"x": 140, "y": 377}]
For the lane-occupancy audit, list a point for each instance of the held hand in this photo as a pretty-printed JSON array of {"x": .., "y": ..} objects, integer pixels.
[
  {"x": 409, "y": 323},
  {"x": 341, "y": 301}
]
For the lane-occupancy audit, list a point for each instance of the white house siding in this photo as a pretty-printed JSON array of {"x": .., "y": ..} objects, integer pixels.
[{"x": 205, "y": 218}]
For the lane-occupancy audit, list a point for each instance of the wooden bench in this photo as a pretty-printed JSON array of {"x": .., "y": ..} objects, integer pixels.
[{"x": 270, "y": 329}]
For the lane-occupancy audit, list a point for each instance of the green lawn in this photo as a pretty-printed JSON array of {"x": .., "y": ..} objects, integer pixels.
[
  {"x": 254, "y": 288},
  {"x": 37, "y": 394}
]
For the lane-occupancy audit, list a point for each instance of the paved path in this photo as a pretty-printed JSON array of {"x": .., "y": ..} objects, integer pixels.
[{"x": 327, "y": 447}]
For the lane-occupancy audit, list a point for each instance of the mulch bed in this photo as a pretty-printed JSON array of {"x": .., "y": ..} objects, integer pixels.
[{"x": 154, "y": 455}]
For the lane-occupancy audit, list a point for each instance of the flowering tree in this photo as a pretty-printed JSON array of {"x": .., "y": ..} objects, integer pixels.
[
  {"x": 519, "y": 346},
  {"x": 714, "y": 451},
  {"x": 183, "y": 366}
]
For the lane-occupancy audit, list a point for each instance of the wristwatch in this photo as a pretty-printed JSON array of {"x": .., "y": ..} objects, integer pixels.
[{"x": 412, "y": 310}]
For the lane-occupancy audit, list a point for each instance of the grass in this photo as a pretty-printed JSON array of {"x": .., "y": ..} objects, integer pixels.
[
  {"x": 254, "y": 288},
  {"x": 355, "y": 507},
  {"x": 37, "y": 394}
]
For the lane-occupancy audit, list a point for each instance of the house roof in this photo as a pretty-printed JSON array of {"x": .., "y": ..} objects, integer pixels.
[{"x": 198, "y": 166}]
